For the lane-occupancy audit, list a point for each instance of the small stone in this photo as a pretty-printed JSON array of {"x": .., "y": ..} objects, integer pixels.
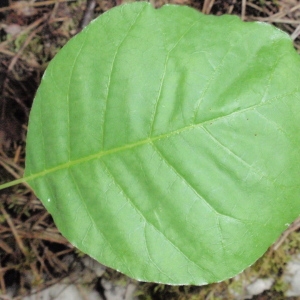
[
  {"x": 292, "y": 277},
  {"x": 259, "y": 286}
]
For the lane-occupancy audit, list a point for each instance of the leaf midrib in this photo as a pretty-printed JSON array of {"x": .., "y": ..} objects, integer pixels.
[{"x": 148, "y": 140}]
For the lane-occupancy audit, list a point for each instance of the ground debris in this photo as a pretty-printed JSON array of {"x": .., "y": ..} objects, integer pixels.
[{"x": 33, "y": 254}]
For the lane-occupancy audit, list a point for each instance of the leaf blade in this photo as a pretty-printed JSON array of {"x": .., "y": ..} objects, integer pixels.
[{"x": 155, "y": 169}]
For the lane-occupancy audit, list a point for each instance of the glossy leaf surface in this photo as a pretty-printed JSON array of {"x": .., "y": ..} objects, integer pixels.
[{"x": 165, "y": 143}]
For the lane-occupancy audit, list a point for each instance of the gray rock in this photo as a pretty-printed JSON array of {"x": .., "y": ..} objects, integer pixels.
[
  {"x": 292, "y": 277},
  {"x": 259, "y": 286},
  {"x": 117, "y": 292},
  {"x": 64, "y": 292}
]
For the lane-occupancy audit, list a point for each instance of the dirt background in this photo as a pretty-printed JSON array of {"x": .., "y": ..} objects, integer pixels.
[{"x": 33, "y": 254}]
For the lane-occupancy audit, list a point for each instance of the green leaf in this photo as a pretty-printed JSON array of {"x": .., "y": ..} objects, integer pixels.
[{"x": 165, "y": 143}]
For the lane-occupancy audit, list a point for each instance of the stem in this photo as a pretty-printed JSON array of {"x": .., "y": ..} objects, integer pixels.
[{"x": 12, "y": 183}]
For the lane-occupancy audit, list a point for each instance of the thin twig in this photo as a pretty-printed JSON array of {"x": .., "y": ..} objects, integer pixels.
[
  {"x": 2, "y": 282},
  {"x": 18, "y": 5},
  {"x": 42, "y": 262},
  {"x": 272, "y": 20},
  {"x": 5, "y": 247},
  {"x": 231, "y": 7},
  {"x": 207, "y": 6},
  {"x": 44, "y": 235},
  {"x": 255, "y": 6},
  {"x": 295, "y": 226},
  {"x": 9, "y": 169},
  {"x": 12, "y": 164},
  {"x": 282, "y": 14},
  {"x": 88, "y": 13},
  {"x": 296, "y": 33},
  {"x": 41, "y": 219},
  {"x": 7, "y": 52},
  {"x": 18, "y": 177},
  {"x": 17, "y": 155},
  {"x": 14, "y": 231},
  {"x": 243, "y": 13}
]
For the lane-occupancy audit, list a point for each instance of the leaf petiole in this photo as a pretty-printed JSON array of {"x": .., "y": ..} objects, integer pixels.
[{"x": 12, "y": 183}]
